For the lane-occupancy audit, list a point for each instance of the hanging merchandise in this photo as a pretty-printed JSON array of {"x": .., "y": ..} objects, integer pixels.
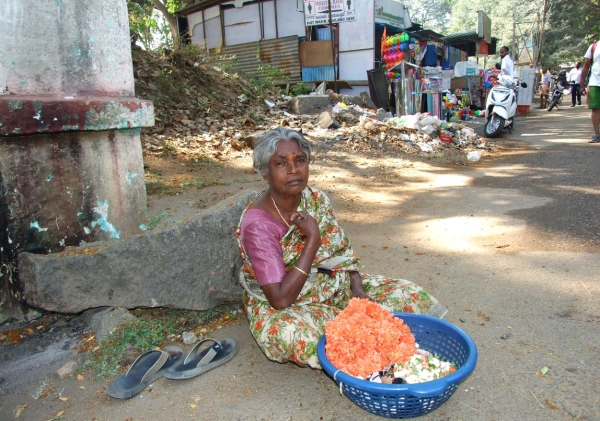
[
  {"x": 431, "y": 56},
  {"x": 396, "y": 48}
]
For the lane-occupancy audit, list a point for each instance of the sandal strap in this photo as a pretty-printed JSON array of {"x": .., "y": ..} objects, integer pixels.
[
  {"x": 162, "y": 359},
  {"x": 210, "y": 354}
]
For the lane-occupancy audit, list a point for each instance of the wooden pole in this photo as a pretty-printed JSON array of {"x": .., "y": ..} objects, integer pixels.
[{"x": 332, "y": 47}]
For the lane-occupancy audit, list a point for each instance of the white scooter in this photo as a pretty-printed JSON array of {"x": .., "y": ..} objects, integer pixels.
[{"x": 501, "y": 107}]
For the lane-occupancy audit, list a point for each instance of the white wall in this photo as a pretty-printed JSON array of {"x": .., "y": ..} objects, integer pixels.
[
  {"x": 242, "y": 24},
  {"x": 210, "y": 32},
  {"x": 290, "y": 18},
  {"x": 269, "y": 19},
  {"x": 355, "y": 91},
  {"x": 359, "y": 34},
  {"x": 354, "y": 64}
]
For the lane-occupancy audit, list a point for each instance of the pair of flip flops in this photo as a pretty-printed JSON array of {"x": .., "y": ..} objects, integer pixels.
[{"x": 154, "y": 364}]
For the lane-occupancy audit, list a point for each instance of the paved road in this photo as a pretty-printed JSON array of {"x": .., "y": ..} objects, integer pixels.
[{"x": 510, "y": 245}]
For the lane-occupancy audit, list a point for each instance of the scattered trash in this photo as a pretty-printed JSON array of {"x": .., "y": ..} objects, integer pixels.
[
  {"x": 218, "y": 119},
  {"x": 320, "y": 89},
  {"x": 425, "y": 147},
  {"x": 474, "y": 156},
  {"x": 189, "y": 338},
  {"x": 505, "y": 336}
]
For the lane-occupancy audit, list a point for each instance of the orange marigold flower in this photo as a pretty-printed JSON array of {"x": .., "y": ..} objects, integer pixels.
[{"x": 364, "y": 338}]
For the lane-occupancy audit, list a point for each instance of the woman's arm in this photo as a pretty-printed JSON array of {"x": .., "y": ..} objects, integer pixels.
[{"x": 283, "y": 294}]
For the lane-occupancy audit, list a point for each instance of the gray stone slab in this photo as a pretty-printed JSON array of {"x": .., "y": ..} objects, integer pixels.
[
  {"x": 192, "y": 265},
  {"x": 309, "y": 104}
]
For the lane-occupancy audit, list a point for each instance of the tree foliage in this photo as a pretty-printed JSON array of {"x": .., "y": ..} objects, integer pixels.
[
  {"x": 147, "y": 26},
  {"x": 431, "y": 14},
  {"x": 570, "y": 26}
]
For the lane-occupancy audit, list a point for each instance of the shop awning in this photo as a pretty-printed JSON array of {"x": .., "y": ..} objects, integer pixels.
[{"x": 467, "y": 41}]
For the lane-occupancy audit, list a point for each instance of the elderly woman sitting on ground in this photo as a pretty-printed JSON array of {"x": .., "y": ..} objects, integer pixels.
[{"x": 299, "y": 268}]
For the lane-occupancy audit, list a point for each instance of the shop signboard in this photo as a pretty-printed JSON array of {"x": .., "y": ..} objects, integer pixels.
[
  {"x": 525, "y": 96},
  {"x": 484, "y": 27},
  {"x": 316, "y": 12},
  {"x": 391, "y": 13}
]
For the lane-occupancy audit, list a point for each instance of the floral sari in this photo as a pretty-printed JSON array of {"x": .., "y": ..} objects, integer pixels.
[{"x": 292, "y": 334}]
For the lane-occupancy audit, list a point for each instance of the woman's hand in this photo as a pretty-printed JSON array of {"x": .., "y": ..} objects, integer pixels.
[
  {"x": 356, "y": 286},
  {"x": 307, "y": 225}
]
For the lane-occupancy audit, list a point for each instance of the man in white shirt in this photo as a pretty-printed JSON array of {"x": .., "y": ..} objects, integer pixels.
[
  {"x": 591, "y": 65},
  {"x": 508, "y": 68},
  {"x": 574, "y": 77}
]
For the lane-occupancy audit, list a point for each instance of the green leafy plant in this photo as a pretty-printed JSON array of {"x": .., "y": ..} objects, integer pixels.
[
  {"x": 154, "y": 221},
  {"x": 273, "y": 73},
  {"x": 300, "y": 89}
]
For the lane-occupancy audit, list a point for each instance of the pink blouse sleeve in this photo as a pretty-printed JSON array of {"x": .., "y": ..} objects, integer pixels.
[{"x": 261, "y": 236}]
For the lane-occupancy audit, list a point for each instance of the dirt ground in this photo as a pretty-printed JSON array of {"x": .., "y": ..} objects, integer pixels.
[{"x": 509, "y": 244}]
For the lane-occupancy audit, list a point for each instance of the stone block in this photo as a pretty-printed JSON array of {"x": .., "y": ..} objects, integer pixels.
[
  {"x": 193, "y": 265},
  {"x": 326, "y": 121},
  {"x": 309, "y": 104},
  {"x": 67, "y": 369},
  {"x": 104, "y": 320}
]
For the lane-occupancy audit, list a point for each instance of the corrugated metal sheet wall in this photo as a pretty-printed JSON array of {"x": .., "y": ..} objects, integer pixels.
[
  {"x": 281, "y": 53},
  {"x": 323, "y": 34},
  {"x": 319, "y": 73}
]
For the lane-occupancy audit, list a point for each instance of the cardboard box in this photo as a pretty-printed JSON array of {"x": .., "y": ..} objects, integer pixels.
[
  {"x": 315, "y": 53},
  {"x": 461, "y": 82}
]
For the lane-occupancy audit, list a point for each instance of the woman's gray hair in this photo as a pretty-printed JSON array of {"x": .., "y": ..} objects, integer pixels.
[{"x": 267, "y": 145}]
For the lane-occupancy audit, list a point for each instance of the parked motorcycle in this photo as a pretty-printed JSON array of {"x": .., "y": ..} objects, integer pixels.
[
  {"x": 557, "y": 96},
  {"x": 501, "y": 107}
]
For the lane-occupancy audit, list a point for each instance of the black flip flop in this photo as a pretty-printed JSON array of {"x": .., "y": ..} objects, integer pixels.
[
  {"x": 199, "y": 361},
  {"x": 147, "y": 368}
]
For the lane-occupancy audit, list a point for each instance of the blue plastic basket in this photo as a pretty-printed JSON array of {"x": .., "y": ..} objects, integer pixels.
[{"x": 412, "y": 400}]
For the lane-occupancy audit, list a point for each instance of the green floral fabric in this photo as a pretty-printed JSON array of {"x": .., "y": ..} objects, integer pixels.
[{"x": 292, "y": 334}]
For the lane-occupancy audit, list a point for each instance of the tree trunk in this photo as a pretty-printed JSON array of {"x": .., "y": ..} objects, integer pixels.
[
  {"x": 171, "y": 20},
  {"x": 543, "y": 29}
]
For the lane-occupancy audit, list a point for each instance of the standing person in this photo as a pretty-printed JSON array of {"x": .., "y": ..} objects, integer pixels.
[
  {"x": 574, "y": 77},
  {"x": 508, "y": 67},
  {"x": 591, "y": 69},
  {"x": 545, "y": 88}
]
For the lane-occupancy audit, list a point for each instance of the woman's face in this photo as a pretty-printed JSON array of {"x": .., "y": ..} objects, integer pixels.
[{"x": 287, "y": 169}]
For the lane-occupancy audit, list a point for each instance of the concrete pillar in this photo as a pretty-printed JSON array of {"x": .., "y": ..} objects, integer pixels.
[{"x": 71, "y": 167}]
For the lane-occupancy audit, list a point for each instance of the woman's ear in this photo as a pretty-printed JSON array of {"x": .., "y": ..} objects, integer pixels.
[{"x": 264, "y": 175}]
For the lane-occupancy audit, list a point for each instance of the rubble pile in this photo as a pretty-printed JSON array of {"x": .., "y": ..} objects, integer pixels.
[{"x": 201, "y": 110}]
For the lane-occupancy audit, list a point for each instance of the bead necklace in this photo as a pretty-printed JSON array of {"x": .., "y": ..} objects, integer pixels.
[{"x": 277, "y": 209}]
